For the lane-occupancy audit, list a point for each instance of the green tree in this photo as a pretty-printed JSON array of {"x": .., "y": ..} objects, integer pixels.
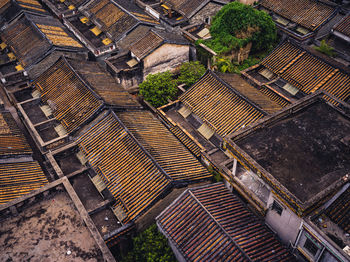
[
  {"x": 190, "y": 72},
  {"x": 150, "y": 246},
  {"x": 325, "y": 48},
  {"x": 158, "y": 88},
  {"x": 237, "y": 24}
]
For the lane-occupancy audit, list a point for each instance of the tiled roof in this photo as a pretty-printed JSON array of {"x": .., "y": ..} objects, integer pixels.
[
  {"x": 308, "y": 13},
  {"x": 265, "y": 99},
  {"x": 30, "y": 5},
  {"x": 178, "y": 162},
  {"x": 211, "y": 224},
  {"x": 129, "y": 173},
  {"x": 17, "y": 179},
  {"x": 12, "y": 140},
  {"x": 58, "y": 36},
  {"x": 307, "y": 72},
  {"x": 29, "y": 38},
  {"x": 135, "y": 35},
  {"x": 72, "y": 102},
  {"x": 344, "y": 26},
  {"x": 220, "y": 107},
  {"x": 103, "y": 83},
  {"x": 3, "y": 3},
  {"x": 114, "y": 19},
  {"x": 146, "y": 44},
  {"x": 27, "y": 42},
  {"x": 339, "y": 211},
  {"x": 62, "y": 6},
  {"x": 186, "y": 7}
]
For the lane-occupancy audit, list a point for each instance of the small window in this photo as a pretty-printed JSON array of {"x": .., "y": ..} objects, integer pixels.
[
  {"x": 277, "y": 207},
  {"x": 311, "y": 247}
]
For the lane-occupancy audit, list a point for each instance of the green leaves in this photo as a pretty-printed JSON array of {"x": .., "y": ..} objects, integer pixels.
[
  {"x": 190, "y": 72},
  {"x": 236, "y": 24},
  {"x": 325, "y": 48},
  {"x": 158, "y": 88},
  {"x": 150, "y": 246}
]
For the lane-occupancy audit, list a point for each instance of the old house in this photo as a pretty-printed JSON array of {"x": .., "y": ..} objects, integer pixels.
[
  {"x": 31, "y": 44},
  {"x": 120, "y": 167},
  {"x": 293, "y": 72},
  {"x": 67, "y": 96},
  {"x": 19, "y": 172},
  {"x": 299, "y": 19},
  {"x": 157, "y": 51},
  {"x": 212, "y": 108},
  {"x": 342, "y": 29},
  {"x": 339, "y": 39},
  {"x": 325, "y": 236},
  {"x": 290, "y": 164},
  {"x": 100, "y": 25},
  {"x": 64, "y": 8},
  {"x": 50, "y": 223},
  {"x": 209, "y": 223},
  {"x": 175, "y": 12},
  {"x": 129, "y": 173},
  {"x": 11, "y": 9},
  {"x": 137, "y": 140},
  {"x": 181, "y": 166}
]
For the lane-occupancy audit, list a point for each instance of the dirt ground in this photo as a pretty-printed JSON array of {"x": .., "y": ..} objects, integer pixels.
[{"x": 50, "y": 230}]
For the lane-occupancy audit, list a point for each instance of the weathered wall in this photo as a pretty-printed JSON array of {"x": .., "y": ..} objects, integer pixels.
[
  {"x": 248, "y": 2},
  {"x": 177, "y": 253},
  {"x": 207, "y": 12},
  {"x": 286, "y": 225},
  {"x": 166, "y": 57},
  {"x": 130, "y": 79}
]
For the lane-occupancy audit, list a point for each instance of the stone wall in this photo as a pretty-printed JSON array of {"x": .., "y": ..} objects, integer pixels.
[
  {"x": 205, "y": 13},
  {"x": 166, "y": 57}
]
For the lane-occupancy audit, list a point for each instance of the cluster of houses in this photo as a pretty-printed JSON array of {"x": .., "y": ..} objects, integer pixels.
[{"x": 85, "y": 164}]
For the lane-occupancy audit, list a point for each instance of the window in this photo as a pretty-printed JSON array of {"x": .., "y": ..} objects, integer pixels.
[
  {"x": 277, "y": 207},
  {"x": 311, "y": 247}
]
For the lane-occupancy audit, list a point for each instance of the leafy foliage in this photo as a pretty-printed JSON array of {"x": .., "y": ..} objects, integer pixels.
[
  {"x": 226, "y": 65},
  {"x": 150, "y": 246},
  {"x": 158, "y": 88},
  {"x": 325, "y": 48},
  {"x": 237, "y": 24},
  {"x": 190, "y": 72}
]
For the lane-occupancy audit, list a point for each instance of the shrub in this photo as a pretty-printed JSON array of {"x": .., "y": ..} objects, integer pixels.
[
  {"x": 150, "y": 245},
  {"x": 237, "y": 24},
  {"x": 158, "y": 88},
  {"x": 325, "y": 48},
  {"x": 190, "y": 72}
]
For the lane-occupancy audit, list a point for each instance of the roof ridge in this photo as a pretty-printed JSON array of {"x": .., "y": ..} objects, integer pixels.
[
  {"x": 84, "y": 82},
  {"x": 220, "y": 226},
  {"x": 232, "y": 90},
  {"x": 143, "y": 149}
]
